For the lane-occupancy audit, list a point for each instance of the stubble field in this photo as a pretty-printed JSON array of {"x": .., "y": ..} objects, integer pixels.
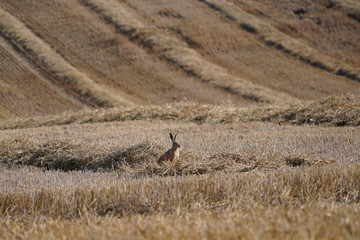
[
  {"x": 246, "y": 179},
  {"x": 264, "y": 96}
]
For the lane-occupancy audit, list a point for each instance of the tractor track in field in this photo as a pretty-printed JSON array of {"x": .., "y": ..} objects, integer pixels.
[
  {"x": 236, "y": 51},
  {"x": 57, "y": 41},
  {"x": 94, "y": 46},
  {"x": 26, "y": 91},
  {"x": 46, "y": 58},
  {"x": 178, "y": 52},
  {"x": 275, "y": 38}
]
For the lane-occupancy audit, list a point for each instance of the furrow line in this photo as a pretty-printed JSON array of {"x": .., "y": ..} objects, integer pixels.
[
  {"x": 47, "y": 58},
  {"x": 273, "y": 37},
  {"x": 180, "y": 54}
]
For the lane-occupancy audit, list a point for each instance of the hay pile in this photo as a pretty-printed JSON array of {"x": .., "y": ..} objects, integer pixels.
[
  {"x": 333, "y": 111},
  {"x": 138, "y": 159}
]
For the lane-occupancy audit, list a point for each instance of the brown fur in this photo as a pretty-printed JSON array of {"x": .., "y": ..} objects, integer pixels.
[{"x": 173, "y": 153}]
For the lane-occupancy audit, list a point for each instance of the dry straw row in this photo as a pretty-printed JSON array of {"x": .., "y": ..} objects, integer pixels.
[
  {"x": 274, "y": 37},
  {"x": 46, "y": 58},
  {"x": 178, "y": 52},
  {"x": 334, "y": 111},
  {"x": 145, "y": 196},
  {"x": 349, "y": 4},
  {"x": 139, "y": 159},
  {"x": 310, "y": 221}
]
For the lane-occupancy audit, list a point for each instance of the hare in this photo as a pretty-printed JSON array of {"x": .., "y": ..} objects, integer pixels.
[{"x": 171, "y": 154}]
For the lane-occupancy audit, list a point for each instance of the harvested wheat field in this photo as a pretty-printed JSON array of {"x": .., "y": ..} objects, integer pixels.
[
  {"x": 238, "y": 176},
  {"x": 264, "y": 96}
]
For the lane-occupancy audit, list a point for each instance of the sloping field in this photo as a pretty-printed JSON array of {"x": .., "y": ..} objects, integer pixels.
[
  {"x": 328, "y": 26},
  {"x": 142, "y": 52},
  {"x": 44, "y": 56},
  {"x": 180, "y": 54},
  {"x": 25, "y": 92},
  {"x": 264, "y": 96},
  {"x": 238, "y": 51},
  {"x": 109, "y": 59},
  {"x": 272, "y": 37}
]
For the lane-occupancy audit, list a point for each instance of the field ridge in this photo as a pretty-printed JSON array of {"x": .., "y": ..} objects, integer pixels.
[
  {"x": 178, "y": 52},
  {"x": 261, "y": 95},
  {"x": 273, "y": 37},
  {"x": 335, "y": 111},
  {"x": 351, "y": 4},
  {"x": 45, "y": 57}
]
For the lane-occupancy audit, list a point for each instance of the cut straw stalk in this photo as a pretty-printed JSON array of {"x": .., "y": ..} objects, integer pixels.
[
  {"x": 350, "y": 4},
  {"x": 179, "y": 53},
  {"x": 285, "y": 187},
  {"x": 334, "y": 111},
  {"x": 274, "y": 37},
  {"x": 46, "y": 57}
]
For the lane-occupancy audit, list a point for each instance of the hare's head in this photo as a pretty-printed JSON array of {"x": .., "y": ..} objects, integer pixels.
[{"x": 173, "y": 139}]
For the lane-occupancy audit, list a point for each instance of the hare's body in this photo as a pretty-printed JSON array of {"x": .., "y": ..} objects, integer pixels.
[
  {"x": 169, "y": 156},
  {"x": 172, "y": 154}
]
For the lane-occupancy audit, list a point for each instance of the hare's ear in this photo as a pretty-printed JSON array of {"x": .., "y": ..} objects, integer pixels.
[
  {"x": 171, "y": 137},
  {"x": 175, "y": 137}
]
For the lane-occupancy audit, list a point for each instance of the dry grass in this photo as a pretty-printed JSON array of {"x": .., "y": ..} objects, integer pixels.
[
  {"x": 237, "y": 180},
  {"x": 179, "y": 53},
  {"x": 274, "y": 37},
  {"x": 286, "y": 203},
  {"x": 218, "y": 191},
  {"x": 21, "y": 81},
  {"x": 268, "y": 172},
  {"x": 351, "y": 4},
  {"x": 139, "y": 159},
  {"x": 45, "y": 57},
  {"x": 255, "y": 223},
  {"x": 337, "y": 111}
]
